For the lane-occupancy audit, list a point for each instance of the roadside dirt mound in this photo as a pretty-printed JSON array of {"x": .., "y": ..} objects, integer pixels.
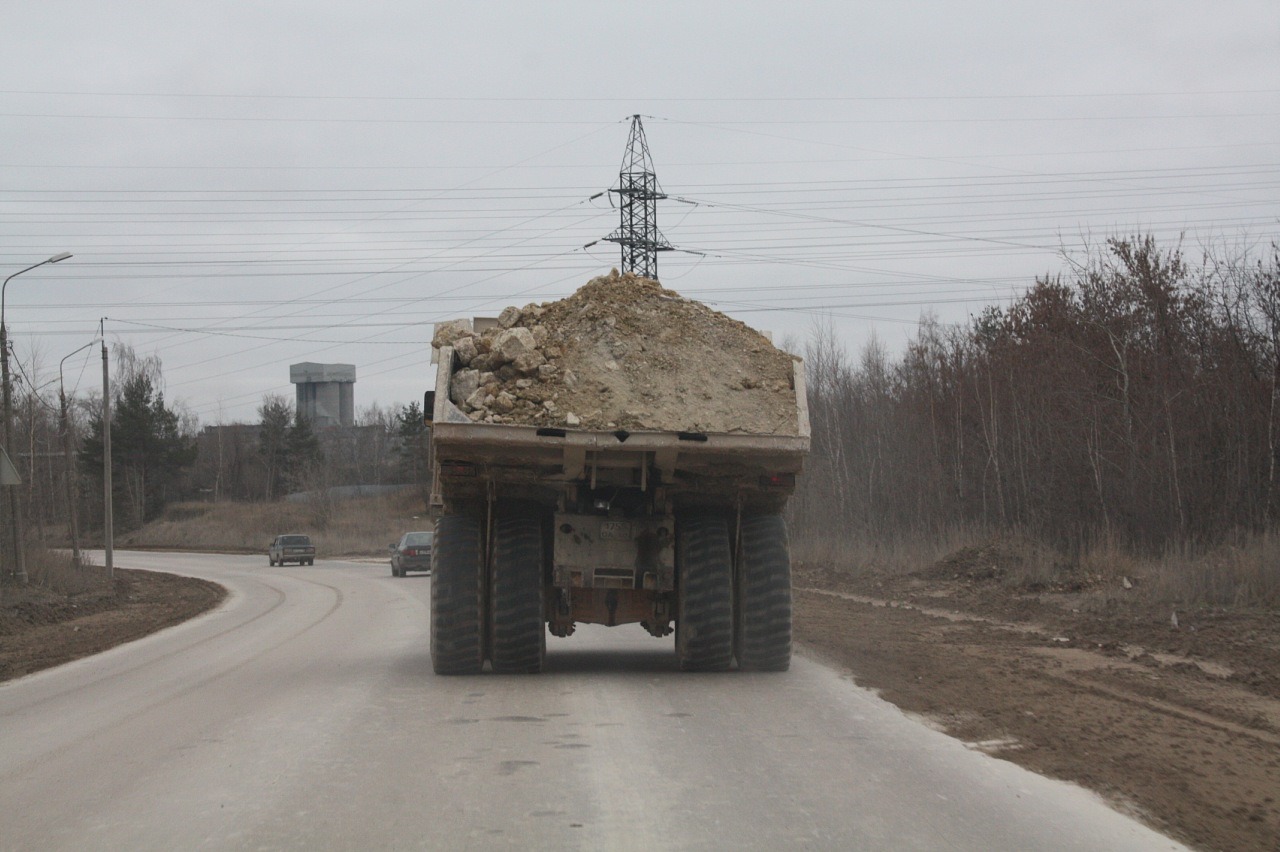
[
  {"x": 623, "y": 353},
  {"x": 994, "y": 560},
  {"x": 1012, "y": 562}
]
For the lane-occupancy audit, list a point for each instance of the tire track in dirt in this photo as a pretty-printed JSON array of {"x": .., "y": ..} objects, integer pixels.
[
  {"x": 1265, "y": 709},
  {"x": 1176, "y": 745}
]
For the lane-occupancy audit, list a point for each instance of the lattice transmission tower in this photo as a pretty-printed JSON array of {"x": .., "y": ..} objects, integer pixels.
[{"x": 638, "y": 195}]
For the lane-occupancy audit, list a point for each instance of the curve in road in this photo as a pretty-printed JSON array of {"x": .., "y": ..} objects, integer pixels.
[{"x": 303, "y": 713}]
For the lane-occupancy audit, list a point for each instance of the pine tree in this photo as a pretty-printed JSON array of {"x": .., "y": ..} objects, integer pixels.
[
  {"x": 150, "y": 455},
  {"x": 415, "y": 437},
  {"x": 302, "y": 452},
  {"x": 272, "y": 438}
]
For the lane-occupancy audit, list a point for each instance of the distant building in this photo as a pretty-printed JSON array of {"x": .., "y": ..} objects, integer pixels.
[{"x": 326, "y": 393}]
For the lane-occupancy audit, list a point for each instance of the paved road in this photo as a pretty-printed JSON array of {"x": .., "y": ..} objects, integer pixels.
[{"x": 303, "y": 714}]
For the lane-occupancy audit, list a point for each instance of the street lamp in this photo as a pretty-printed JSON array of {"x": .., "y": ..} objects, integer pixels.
[{"x": 15, "y": 516}]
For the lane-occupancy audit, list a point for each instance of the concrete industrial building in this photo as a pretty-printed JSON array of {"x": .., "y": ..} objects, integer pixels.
[{"x": 326, "y": 393}]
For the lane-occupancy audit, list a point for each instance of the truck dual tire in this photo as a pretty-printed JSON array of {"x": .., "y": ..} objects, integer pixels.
[
  {"x": 704, "y": 612},
  {"x": 457, "y": 596},
  {"x": 718, "y": 617},
  {"x": 518, "y": 636},
  {"x": 764, "y": 595}
]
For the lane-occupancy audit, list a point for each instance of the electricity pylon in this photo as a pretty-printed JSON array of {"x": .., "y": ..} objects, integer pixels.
[{"x": 638, "y": 194}]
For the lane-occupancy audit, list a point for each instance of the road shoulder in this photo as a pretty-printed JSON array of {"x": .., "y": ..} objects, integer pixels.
[
  {"x": 1178, "y": 727},
  {"x": 40, "y": 629}
]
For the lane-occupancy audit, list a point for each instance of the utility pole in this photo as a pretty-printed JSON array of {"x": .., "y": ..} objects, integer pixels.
[
  {"x": 68, "y": 478},
  {"x": 73, "y": 512},
  {"x": 638, "y": 195},
  {"x": 108, "y": 534}
]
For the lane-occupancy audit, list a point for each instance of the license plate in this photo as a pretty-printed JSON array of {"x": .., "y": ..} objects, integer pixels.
[{"x": 615, "y": 531}]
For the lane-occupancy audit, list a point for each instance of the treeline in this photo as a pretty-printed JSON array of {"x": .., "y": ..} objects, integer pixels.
[
  {"x": 281, "y": 453},
  {"x": 161, "y": 454},
  {"x": 1132, "y": 397}
]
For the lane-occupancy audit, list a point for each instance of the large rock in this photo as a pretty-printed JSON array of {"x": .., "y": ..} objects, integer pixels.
[
  {"x": 509, "y": 317},
  {"x": 466, "y": 350},
  {"x": 463, "y": 384},
  {"x": 511, "y": 343},
  {"x": 448, "y": 332},
  {"x": 529, "y": 362},
  {"x": 504, "y": 403}
]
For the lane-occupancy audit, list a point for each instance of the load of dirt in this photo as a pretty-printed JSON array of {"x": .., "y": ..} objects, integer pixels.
[{"x": 622, "y": 353}]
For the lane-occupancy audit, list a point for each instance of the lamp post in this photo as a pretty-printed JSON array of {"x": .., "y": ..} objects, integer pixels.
[{"x": 15, "y": 515}]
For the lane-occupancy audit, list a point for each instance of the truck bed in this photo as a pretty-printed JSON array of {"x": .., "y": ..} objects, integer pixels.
[{"x": 552, "y": 454}]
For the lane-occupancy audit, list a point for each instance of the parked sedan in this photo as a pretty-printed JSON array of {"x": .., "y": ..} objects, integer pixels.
[
  {"x": 291, "y": 548},
  {"x": 413, "y": 553}
]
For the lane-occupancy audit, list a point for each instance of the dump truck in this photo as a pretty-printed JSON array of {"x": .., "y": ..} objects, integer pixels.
[{"x": 539, "y": 528}]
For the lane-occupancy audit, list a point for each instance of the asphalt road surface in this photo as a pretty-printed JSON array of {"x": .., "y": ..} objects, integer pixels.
[{"x": 303, "y": 714}]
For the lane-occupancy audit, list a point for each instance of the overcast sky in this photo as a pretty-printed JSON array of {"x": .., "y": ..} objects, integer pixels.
[{"x": 247, "y": 185}]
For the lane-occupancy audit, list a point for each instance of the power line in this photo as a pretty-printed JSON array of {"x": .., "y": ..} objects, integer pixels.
[{"x": 700, "y": 100}]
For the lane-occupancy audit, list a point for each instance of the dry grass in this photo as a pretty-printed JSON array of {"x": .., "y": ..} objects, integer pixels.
[
  {"x": 1039, "y": 566},
  {"x": 362, "y": 526},
  {"x": 894, "y": 555},
  {"x": 1243, "y": 572},
  {"x": 56, "y": 571},
  {"x": 1111, "y": 563}
]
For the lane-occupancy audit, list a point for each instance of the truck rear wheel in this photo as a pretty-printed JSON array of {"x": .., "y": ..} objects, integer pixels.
[
  {"x": 457, "y": 596},
  {"x": 764, "y": 595},
  {"x": 704, "y": 613},
  {"x": 518, "y": 639}
]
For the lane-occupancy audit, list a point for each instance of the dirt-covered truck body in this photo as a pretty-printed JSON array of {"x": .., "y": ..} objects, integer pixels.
[{"x": 542, "y": 525}]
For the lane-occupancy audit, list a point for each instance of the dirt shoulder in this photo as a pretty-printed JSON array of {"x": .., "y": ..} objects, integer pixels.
[
  {"x": 1178, "y": 725},
  {"x": 40, "y": 629}
]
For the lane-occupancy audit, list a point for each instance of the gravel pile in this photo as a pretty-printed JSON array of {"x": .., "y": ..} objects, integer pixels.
[{"x": 622, "y": 353}]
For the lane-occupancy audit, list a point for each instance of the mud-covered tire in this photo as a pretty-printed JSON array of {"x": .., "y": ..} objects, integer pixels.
[
  {"x": 518, "y": 636},
  {"x": 704, "y": 612},
  {"x": 457, "y": 596},
  {"x": 764, "y": 595}
]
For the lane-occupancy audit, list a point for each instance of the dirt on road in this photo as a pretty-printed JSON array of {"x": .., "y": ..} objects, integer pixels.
[{"x": 1177, "y": 725}]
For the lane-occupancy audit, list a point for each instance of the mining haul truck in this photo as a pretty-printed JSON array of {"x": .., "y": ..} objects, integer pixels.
[{"x": 541, "y": 528}]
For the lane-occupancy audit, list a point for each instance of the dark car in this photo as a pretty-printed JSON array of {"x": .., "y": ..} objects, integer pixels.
[
  {"x": 413, "y": 553},
  {"x": 291, "y": 548}
]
